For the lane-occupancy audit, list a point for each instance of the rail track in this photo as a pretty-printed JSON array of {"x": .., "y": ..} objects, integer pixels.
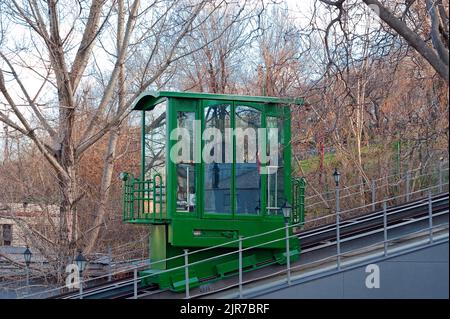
[
  {"x": 357, "y": 225},
  {"x": 122, "y": 288},
  {"x": 125, "y": 288}
]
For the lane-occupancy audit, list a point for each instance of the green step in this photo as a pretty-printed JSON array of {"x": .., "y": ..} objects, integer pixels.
[{"x": 231, "y": 267}]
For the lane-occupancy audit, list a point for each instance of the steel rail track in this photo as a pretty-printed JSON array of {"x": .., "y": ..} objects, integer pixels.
[
  {"x": 367, "y": 222},
  {"x": 117, "y": 283},
  {"x": 124, "y": 287}
]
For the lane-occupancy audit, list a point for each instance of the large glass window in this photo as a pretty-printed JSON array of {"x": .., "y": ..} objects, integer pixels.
[
  {"x": 216, "y": 154},
  {"x": 275, "y": 166},
  {"x": 185, "y": 167},
  {"x": 155, "y": 141},
  {"x": 248, "y": 180}
]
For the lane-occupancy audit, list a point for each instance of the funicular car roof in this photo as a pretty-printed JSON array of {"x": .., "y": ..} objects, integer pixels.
[{"x": 147, "y": 100}]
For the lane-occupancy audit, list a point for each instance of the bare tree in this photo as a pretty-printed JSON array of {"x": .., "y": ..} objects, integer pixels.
[
  {"x": 436, "y": 12},
  {"x": 216, "y": 66},
  {"x": 281, "y": 48},
  {"x": 61, "y": 48}
]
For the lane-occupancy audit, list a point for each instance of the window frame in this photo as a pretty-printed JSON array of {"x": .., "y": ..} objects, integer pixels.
[
  {"x": 175, "y": 106},
  {"x": 198, "y": 107},
  {"x": 216, "y": 215}
]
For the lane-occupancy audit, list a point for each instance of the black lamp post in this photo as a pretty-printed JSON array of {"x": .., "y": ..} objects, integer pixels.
[
  {"x": 337, "y": 177},
  {"x": 123, "y": 176},
  {"x": 27, "y": 256},
  {"x": 287, "y": 210}
]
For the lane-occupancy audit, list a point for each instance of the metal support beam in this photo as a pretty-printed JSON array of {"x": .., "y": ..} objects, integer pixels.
[
  {"x": 109, "y": 263},
  {"x": 81, "y": 285},
  {"x": 186, "y": 271},
  {"x": 288, "y": 255},
  {"x": 338, "y": 235},
  {"x": 430, "y": 215},
  {"x": 240, "y": 268},
  {"x": 28, "y": 279},
  {"x": 135, "y": 279},
  {"x": 408, "y": 177},
  {"x": 385, "y": 228},
  {"x": 374, "y": 195}
]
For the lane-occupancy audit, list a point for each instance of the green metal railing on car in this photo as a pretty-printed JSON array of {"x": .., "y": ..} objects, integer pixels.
[
  {"x": 143, "y": 200},
  {"x": 298, "y": 200}
]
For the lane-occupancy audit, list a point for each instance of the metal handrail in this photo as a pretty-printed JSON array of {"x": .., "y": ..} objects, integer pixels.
[
  {"x": 367, "y": 219},
  {"x": 402, "y": 177},
  {"x": 190, "y": 264},
  {"x": 208, "y": 248},
  {"x": 318, "y": 261},
  {"x": 230, "y": 253},
  {"x": 357, "y": 193},
  {"x": 228, "y": 243},
  {"x": 323, "y": 217},
  {"x": 390, "y": 198},
  {"x": 150, "y": 194},
  {"x": 367, "y": 205}
]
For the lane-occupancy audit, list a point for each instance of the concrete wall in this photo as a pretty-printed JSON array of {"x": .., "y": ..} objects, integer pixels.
[{"x": 420, "y": 274}]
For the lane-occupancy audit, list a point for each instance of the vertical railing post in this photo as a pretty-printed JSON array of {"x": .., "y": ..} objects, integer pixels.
[
  {"x": 109, "y": 263},
  {"x": 153, "y": 213},
  {"x": 240, "y": 267},
  {"x": 132, "y": 200},
  {"x": 430, "y": 215},
  {"x": 141, "y": 195},
  {"x": 374, "y": 198},
  {"x": 288, "y": 255},
  {"x": 81, "y": 286},
  {"x": 135, "y": 279},
  {"x": 408, "y": 177},
  {"x": 188, "y": 191},
  {"x": 338, "y": 235},
  {"x": 28, "y": 279},
  {"x": 440, "y": 176},
  {"x": 124, "y": 200},
  {"x": 385, "y": 228},
  {"x": 186, "y": 271},
  {"x": 161, "y": 198}
]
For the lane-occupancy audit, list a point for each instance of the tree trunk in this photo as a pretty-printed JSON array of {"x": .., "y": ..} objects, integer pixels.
[
  {"x": 110, "y": 155},
  {"x": 66, "y": 211},
  {"x": 104, "y": 191}
]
